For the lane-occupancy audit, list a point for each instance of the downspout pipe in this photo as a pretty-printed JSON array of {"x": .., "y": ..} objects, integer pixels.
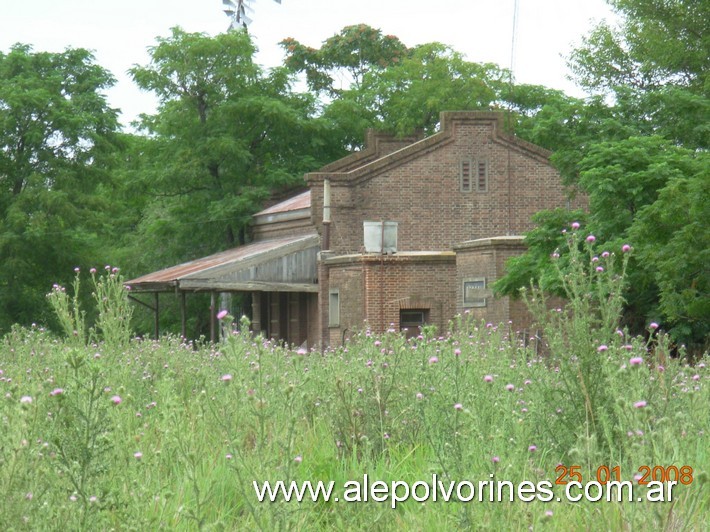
[{"x": 326, "y": 215}]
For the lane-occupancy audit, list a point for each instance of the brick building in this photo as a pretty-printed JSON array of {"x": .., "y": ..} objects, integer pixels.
[{"x": 404, "y": 233}]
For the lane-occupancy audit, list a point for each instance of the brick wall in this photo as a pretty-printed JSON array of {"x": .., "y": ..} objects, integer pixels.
[
  {"x": 375, "y": 288},
  {"x": 419, "y": 187},
  {"x": 485, "y": 259},
  {"x": 348, "y": 280}
]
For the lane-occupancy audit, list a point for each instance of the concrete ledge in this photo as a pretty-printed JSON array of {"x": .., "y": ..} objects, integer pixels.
[
  {"x": 498, "y": 241},
  {"x": 412, "y": 257}
]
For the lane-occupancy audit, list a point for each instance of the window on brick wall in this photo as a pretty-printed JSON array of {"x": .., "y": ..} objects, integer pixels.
[
  {"x": 481, "y": 176},
  {"x": 334, "y": 308},
  {"x": 466, "y": 175},
  {"x": 473, "y": 175},
  {"x": 412, "y": 320},
  {"x": 474, "y": 291}
]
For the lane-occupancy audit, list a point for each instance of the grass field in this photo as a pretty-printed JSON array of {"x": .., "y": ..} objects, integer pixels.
[{"x": 99, "y": 432}]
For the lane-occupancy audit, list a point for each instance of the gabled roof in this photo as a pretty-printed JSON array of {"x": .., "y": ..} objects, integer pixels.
[
  {"x": 295, "y": 203},
  {"x": 241, "y": 268},
  {"x": 371, "y": 167}
]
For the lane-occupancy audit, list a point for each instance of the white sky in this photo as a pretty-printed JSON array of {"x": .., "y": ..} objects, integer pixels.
[{"x": 119, "y": 31}]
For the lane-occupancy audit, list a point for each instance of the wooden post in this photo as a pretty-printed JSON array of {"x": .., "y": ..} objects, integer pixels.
[
  {"x": 157, "y": 316},
  {"x": 256, "y": 312},
  {"x": 213, "y": 316},
  {"x": 183, "y": 316}
]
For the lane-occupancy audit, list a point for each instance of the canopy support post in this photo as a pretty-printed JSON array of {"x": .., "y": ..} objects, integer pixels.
[
  {"x": 183, "y": 316},
  {"x": 213, "y": 307},
  {"x": 157, "y": 316}
]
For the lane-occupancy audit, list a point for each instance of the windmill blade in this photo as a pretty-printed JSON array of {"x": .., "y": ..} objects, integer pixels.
[{"x": 237, "y": 11}]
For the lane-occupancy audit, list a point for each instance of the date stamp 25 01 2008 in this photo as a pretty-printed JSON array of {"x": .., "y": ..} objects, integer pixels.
[{"x": 645, "y": 474}]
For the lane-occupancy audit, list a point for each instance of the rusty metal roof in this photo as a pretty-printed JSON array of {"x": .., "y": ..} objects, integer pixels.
[
  {"x": 301, "y": 201},
  {"x": 169, "y": 278}
]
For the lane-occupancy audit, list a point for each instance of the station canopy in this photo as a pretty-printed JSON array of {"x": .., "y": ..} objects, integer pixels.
[{"x": 286, "y": 264}]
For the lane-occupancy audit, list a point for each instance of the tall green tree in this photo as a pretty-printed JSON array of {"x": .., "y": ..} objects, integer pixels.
[
  {"x": 343, "y": 60},
  {"x": 57, "y": 144},
  {"x": 370, "y": 80},
  {"x": 411, "y": 94},
  {"x": 637, "y": 146},
  {"x": 226, "y": 135}
]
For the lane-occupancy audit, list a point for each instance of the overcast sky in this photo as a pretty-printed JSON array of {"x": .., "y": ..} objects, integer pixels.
[{"x": 119, "y": 31}]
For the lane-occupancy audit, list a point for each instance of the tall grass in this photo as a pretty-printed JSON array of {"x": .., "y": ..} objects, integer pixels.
[{"x": 143, "y": 435}]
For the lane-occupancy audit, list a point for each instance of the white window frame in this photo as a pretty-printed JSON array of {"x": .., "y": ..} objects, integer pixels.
[
  {"x": 334, "y": 307},
  {"x": 475, "y": 302}
]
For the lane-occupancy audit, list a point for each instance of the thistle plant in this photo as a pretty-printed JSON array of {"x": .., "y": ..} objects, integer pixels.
[
  {"x": 582, "y": 336},
  {"x": 113, "y": 310},
  {"x": 67, "y": 309},
  {"x": 113, "y": 321}
]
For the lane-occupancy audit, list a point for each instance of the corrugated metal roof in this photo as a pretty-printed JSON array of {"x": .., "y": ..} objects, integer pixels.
[
  {"x": 170, "y": 277},
  {"x": 302, "y": 201}
]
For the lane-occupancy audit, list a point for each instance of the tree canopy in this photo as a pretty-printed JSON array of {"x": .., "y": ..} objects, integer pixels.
[
  {"x": 57, "y": 142},
  {"x": 639, "y": 148},
  {"x": 226, "y": 135},
  {"x": 229, "y": 134}
]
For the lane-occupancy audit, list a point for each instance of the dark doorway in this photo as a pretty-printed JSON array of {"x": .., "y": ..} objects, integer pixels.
[{"x": 412, "y": 320}]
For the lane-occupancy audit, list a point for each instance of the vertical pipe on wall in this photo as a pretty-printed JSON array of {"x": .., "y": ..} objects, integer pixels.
[{"x": 326, "y": 214}]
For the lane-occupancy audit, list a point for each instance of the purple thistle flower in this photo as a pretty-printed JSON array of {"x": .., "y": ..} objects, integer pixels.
[
  {"x": 591, "y": 239},
  {"x": 222, "y": 313},
  {"x": 640, "y": 404}
]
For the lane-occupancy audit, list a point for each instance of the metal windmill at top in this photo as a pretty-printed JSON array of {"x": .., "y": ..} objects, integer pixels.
[{"x": 236, "y": 10}]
